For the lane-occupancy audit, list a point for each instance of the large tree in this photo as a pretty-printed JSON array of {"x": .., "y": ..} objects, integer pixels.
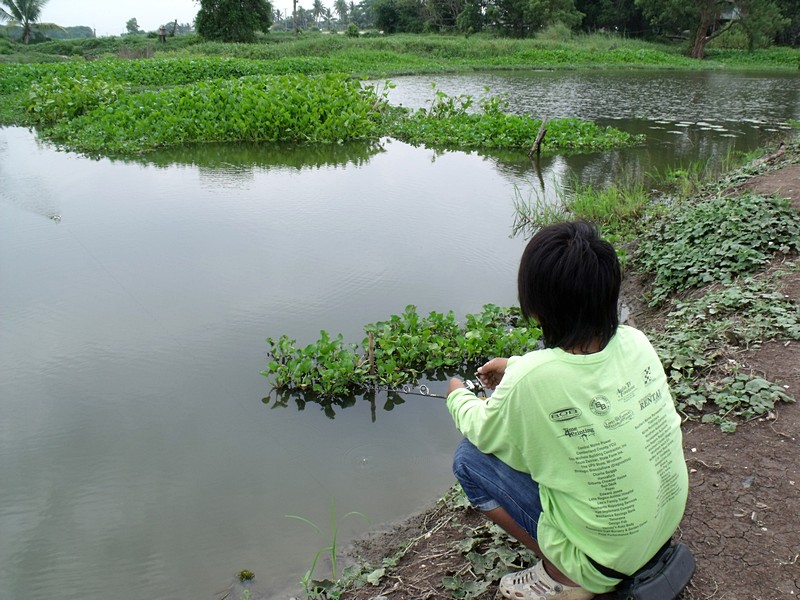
[
  {"x": 25, "y": 13},
  {"x": 233, "y": 20},
  {"x": 791, "y": 10},
  {"x": 132, "y": 26},
  {"x": 443, "y": 14},
  {"x": 521, "y": 18},
  {"x": 622, "y": 16},
  {"x": 472, "y": 17},
  {"x": 709, "y": 19},
  {"x": 762, "y": 22},
  {"x": 399, "y": 16}
]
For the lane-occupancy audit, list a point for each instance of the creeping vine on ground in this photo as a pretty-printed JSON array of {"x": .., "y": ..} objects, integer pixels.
[{"x": 714, "y": 240}]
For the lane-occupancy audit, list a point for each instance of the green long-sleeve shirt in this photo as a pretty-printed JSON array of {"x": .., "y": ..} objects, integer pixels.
[{"x": 600, "y": 435}]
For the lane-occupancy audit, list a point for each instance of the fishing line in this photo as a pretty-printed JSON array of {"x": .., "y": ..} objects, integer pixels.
[{"x": 476, "y": 387}]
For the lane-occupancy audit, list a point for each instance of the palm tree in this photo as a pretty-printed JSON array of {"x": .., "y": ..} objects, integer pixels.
[
  {"x": 317, "y": 10},
  {"x": 353, "y": 13},
  {"x": 302, "y": 18},
  {"x": 25, "y": 13},
  {"x": 340, "y": 6}
]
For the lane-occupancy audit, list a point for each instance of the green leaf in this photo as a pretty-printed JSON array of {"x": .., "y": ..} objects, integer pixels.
[{"x": 375, "y": 577}]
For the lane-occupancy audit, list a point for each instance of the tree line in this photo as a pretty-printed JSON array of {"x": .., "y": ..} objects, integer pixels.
[
  {"x": 757, "y": 23},
  {"x": 749, "y": 23}
]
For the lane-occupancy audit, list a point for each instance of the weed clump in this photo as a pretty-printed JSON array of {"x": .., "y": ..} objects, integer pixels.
[{"x": 715, "y": 240}]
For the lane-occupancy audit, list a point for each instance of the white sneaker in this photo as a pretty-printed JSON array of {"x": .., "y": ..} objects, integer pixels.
[{"x": 535, "y": 584}]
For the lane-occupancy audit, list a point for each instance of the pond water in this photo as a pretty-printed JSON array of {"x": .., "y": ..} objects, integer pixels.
[{"x": 143, "y": 455}]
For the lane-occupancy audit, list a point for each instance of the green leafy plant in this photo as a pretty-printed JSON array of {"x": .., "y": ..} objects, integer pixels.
[
  {"x": 702, "y": 335},
  {"x": 62, "y": 99},
  {"x": 451, "y": 122},
  {"x": 297, "y": 108},
  {"x": 312, "y": 587},
  {"x": 744, "y": 397},
  {"x": 715, "y": 240},
  {"x": 396, "y": 351},
  {"x": 492, "y": 553}
]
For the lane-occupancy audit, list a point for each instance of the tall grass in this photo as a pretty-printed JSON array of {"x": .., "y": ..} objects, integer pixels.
[
  {"x": 685, "y": 181},
  {"x": 312, "y": 587},
  {"x": 404, "y": 53},
  {"x": 620, "y": 208},
  {"x": 615, "y": 207}
]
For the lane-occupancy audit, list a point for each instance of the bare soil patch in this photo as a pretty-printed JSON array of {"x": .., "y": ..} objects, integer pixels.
[
  {"x": 784, "y": 182},
  {"x": 743, "y": 515}
]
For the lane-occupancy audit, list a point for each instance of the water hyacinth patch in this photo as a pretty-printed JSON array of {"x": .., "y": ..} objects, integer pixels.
[
  {"x": 291, "y": 108},
  {"x": 156, "y": 72},
  {"x": 453, "y": 123},
  {"x": 397, "y": 351},
  {"x": 65, "y": 98},
  {"x": 126, "y": 107}
]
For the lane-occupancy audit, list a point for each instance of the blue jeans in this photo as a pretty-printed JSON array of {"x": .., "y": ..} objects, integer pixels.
[{"x": 490, "y": 483}]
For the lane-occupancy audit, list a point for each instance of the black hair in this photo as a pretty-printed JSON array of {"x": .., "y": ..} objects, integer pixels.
[{"x": 569, "y": 280}]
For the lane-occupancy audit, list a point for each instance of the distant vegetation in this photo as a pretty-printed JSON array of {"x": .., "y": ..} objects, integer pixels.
[
  {"x": 693, "y": 27},
  {"x": 81, "y": 94},
  {"x": 376, "y": 54}
]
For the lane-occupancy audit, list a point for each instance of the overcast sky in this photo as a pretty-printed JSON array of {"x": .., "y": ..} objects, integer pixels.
[{"x": 108, "y": 17}]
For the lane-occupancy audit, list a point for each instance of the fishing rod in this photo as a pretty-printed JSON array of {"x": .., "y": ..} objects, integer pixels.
[{"x": 476, "y": 387}]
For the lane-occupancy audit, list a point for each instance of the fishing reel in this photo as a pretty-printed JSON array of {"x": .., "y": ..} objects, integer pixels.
[{"x": 476, "y": 386}]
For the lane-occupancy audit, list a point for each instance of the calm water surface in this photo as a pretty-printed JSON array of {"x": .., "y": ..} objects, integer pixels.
[{"x": 138, "y": 458}]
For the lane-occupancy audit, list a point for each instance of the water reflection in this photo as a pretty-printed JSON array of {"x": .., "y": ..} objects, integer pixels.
[
  {"x": 384, "y": 398},
  {"x": 668, "y": 147},
  {"x": 228, "y": 162},
  {"x": 431, "y": 386}
]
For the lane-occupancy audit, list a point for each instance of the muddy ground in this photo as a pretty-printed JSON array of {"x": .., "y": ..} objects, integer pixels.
[{"x": 742, "y": 520}]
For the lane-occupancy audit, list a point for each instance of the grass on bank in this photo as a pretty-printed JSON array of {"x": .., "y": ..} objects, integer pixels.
[{"x": 401, "y": 52}]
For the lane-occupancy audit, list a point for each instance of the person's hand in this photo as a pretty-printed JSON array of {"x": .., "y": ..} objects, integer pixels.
[
  {"x": 492, "y": 372},
  {"x": 454, "y": 384}
]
